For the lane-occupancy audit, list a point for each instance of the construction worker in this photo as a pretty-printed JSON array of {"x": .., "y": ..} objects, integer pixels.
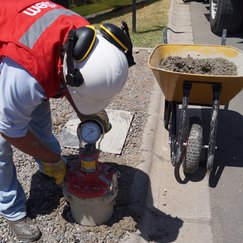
[{"x": 48, "y": 51}]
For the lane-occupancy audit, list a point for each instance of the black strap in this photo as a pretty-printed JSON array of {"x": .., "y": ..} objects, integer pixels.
[
  {"x": 73, "y": 76},
  {"x": 69, "y": 51}
]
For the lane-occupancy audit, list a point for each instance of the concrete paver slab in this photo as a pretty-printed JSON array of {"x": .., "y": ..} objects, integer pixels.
[{"x": 112, "y": 142}]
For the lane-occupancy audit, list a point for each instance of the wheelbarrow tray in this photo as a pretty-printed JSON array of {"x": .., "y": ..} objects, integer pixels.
[{"x": 171, "y": 83}]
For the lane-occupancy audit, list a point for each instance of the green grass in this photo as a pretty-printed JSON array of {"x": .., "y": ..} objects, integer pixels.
[
  {"x": 100, "y": 6},
  {"x": 151, "y": 18}
]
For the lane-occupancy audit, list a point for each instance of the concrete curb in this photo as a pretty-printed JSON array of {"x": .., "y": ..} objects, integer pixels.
[
  {"x": 182, "y": 206},
  {"x": 180, "y": 23}
]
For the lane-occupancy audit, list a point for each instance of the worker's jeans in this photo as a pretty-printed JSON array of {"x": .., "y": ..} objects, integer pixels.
[{"x": 12, "y": 195}]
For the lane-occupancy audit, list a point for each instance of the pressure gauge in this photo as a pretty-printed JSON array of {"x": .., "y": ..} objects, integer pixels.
[{"x": 89, "y": 132}]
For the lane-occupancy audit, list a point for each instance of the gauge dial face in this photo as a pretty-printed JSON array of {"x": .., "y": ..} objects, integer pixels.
[{"x": 90, "y": 132}]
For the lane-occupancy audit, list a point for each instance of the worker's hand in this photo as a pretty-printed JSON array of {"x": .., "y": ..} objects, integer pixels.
[
  {"x": 56, "y": 170},
  {"x": 101, "y": 117}
]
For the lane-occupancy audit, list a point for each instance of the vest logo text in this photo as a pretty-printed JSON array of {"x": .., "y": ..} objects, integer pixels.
[{"x": 37, "y": 8}]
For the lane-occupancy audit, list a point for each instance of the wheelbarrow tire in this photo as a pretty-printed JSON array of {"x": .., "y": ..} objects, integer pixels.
[
  {"x": 225, "y": 14},
  {"x": 194, "y": 147}
]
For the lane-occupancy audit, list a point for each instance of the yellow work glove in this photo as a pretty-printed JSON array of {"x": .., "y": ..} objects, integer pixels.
[{"x": 56, "y": 170}]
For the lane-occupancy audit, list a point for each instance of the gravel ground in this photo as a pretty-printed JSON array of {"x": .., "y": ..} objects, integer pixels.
[{"x": 46, "y": 204}]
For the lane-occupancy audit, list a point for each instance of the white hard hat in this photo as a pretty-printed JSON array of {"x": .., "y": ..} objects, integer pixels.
[{"x": 104, "y": 71}]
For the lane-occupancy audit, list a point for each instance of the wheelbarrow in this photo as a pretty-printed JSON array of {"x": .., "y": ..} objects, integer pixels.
[{"x": 181, "y": 89}]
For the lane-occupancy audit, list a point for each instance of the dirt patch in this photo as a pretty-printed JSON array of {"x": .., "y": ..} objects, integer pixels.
[{"x": 209, "y": 66}]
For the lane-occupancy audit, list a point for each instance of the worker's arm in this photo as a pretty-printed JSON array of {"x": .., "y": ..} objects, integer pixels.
[
  {"x": 17, "y": 103},
  {"x": 52, "y": 164},
  {"x": 30, "y": 144}
]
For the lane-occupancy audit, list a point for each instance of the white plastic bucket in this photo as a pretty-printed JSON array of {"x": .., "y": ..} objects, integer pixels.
[{"x": 92, "y": 211}]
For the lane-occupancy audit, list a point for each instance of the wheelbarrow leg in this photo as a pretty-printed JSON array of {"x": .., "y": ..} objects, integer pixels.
[
  {"x": 182, "y": 124},
  {"x": 172, "y": 130},
  {"x": 213, "y": 127},
  {"x": 167, "y": 114}
]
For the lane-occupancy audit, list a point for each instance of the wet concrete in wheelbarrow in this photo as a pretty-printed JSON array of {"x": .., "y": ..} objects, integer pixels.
[{"x": 206, "y": 66}]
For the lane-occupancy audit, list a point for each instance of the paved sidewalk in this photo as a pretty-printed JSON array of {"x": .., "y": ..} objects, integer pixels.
[
  {"x": 180, "y": 23},
  {"x": 182, "y": 206}
]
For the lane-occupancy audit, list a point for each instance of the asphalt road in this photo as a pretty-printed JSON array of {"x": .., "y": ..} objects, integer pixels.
[{"x": 226, "y": 180}]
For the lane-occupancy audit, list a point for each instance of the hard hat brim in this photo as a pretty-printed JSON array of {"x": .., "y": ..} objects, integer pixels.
[{"x": 87, "y": 107}]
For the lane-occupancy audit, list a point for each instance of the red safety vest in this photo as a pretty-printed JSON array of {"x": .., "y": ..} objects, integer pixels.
[{"x": 33, "y": 34}]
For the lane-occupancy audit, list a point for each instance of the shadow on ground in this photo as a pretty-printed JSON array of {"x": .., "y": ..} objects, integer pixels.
[
  {"x": 134, "y": 200},
  {"x": 153, "y": 224},
  {"x": 229, "y": 143}
]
